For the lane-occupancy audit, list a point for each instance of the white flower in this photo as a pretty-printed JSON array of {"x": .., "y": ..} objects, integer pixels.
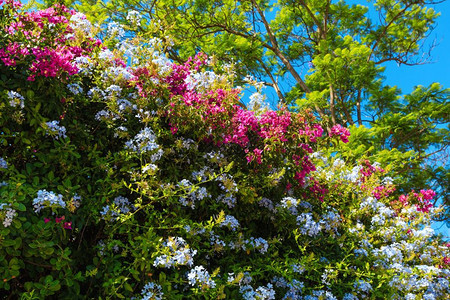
[
  {"x": 16, "y": 99},
  {"x": 115, "y": 30},
  {"x": 134, "y": 17},
  {"x": 199, "y": 276},
  {"x": 79, "y": 21},
  {"x": 53, "y": 128}
]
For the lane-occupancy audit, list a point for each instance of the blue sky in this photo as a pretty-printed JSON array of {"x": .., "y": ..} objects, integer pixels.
[{"x": 406, "y": 77}]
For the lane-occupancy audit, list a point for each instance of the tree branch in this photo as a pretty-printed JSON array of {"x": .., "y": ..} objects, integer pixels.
[
  {"x": 283, "y": 58},
  {"x": 274, "y": 82}
]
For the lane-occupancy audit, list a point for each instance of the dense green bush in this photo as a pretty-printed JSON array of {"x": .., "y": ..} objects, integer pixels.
[{"x": 126, "y": 175}]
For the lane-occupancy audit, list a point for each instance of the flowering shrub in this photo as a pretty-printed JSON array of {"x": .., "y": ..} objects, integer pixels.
[{"x": 125, "y": 175}]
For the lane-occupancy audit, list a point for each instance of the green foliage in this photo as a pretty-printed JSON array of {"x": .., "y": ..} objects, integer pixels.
[{"x": 137, "y": 177}]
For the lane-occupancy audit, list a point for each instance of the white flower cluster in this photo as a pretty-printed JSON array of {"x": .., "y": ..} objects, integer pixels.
[
  {"x": 164, "y": 64},
  {"x": 113, "y": 90},
  {"x": 203, "y": 174},
  {"x": 106, "y": 115},
  {"x": 106, "y": 54},
  {"x": 214, "y": 156},
  {"x": 230, "y": 200},
  {"x": 330, "y": 221},
  {"x": 336, "y": 169},
  {"x": 320, "y": 294},
  {"x": 199, "y": 276},
  {"x": 76, "y": 201},
  {"x": 16, "y": 99},
  {"x": 298, "y": 268},
  {"x": 84, "y": 65},
  {"x": 144, "y": 141},
  {"x": 400, "y": 244},
  {"x": 54, "y": 129},
  {"x": 215, "y": 241},
  {"x": 124, "y": 104},
  {"x": 257, "y": 102},
  {"x": 229, "y": 187},
  {"x": 149, "y": 167},
  {"x": 3, "y": 163},
  {"x": 353, "y": 175},
  {"x": 9, "y": 212},
  {"x": 48, "y": 199},
  {"x": 177, "y": 253},
  {"x": 362, "y": 286},
  {"x": 259, "y": 244},
  {"x": 75, "y": 88},
  {"x": 267, "y": 203},
  {"x": 294, "y": 287},
  {"x": 201, "y": 80},
  {"x": 349, "y": 296},
  {"x": 129, "y": 50},
  {"x": 294, "y": 205},
  {"x": 117, "y": 72},
  {"x": 152, "y": 291},
  {"x": 189, "y": 144},
  {"x": 290, "y": 204},
  {"x": 115, "y": 30},
  {"x": 194, "y": 194},
  {"x": 230, "y": 222},
  {"x": 307, "y": 224},
  {"x": 120, "y": 206},
  {"x": 78, "y": 21},
  {"x": 134, "y": 17},
  {"x": 262, "y": 292}
]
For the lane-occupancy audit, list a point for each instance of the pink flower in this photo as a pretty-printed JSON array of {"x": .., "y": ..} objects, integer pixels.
[
  {"x": 342, "y": 132},
  {"x": 258, "y": 154},
  {"x": 46, "y": 220},
  {"x": 403, "y": 199},
  {"x": 288, "y": 186},
  {"x": 67, "y": 225},
  {"x": 428, "y": 194},
  {"x": 59, "y": 220}
]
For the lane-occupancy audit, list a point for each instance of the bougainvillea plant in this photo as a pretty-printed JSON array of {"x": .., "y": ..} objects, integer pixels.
[{"x": 125, "y": 175}]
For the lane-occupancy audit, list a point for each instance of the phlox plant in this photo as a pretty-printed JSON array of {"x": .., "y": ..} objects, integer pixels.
[{"x": 126, "y": 175}]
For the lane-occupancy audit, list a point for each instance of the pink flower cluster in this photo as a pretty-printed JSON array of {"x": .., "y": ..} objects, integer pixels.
[
  {"x": 11, "y": 3},
  {"x": 313, "y": 133},
  {"x": 382, "y": 191},
  {"x": 12, "y": 53},
  {"x": 219, "y": 118},
  {"x": 423, "y": 200},
  {"x": 57, "y": 14},
  {"x": 274, "y": 125},
  {"x": 32, "y": 41},
  {"x": 446, "y": 260},
  {"x": 58, "y": 220},
  {"x": 53, "y": 62},
  {"x": 368, "y": 169},
  {"x": 342, "y": 132},
  {"x": 242, "y": 123}
]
